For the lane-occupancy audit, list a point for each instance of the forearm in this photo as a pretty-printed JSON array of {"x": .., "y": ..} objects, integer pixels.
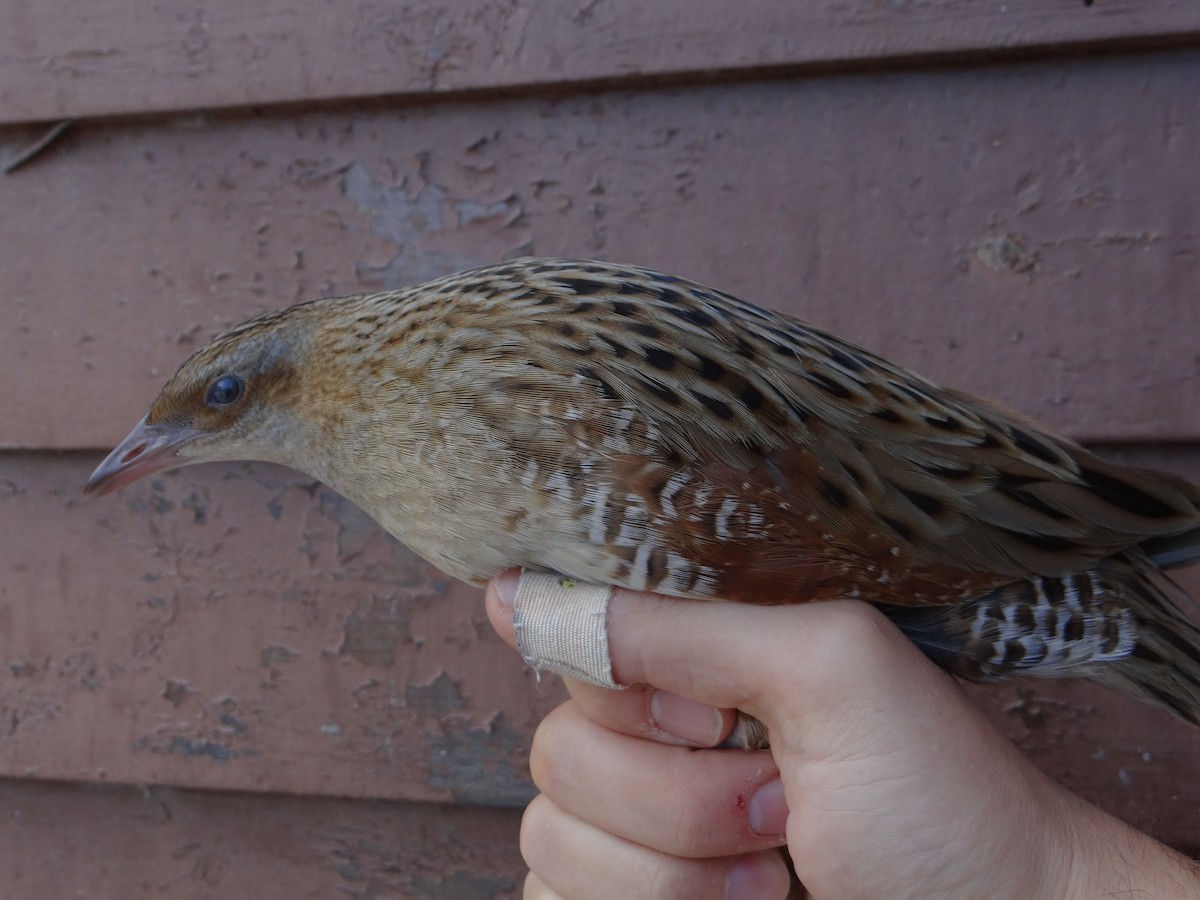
[{"x": 1111, "y": 859}]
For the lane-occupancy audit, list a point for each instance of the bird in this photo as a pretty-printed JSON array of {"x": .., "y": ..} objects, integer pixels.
[{"x": 620, "y": 426}]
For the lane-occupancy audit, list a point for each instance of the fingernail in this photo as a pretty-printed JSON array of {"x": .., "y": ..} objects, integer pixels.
[
  {"x": 506, "y": 587},
  {"x": 755, "y": 877},
  {"x": 693, "y": 722},
  {"x": 767, "y": 810}
]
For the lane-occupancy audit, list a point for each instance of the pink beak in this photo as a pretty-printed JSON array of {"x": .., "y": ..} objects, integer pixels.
[{"x": 147, "y": 449}]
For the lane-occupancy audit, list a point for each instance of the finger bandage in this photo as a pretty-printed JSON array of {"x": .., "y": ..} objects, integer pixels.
[{"x": 561, "y": 626}]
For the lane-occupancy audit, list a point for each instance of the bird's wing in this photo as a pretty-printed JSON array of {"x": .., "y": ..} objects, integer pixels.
[{"x": 775, "y": 409}]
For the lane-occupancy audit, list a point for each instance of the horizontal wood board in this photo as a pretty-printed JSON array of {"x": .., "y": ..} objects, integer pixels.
[
  {"x": 240, "y": 627},
  {"x": 69, "y": 60},
  {"x": 63, "y": 840},
  {"x": 1025, "y": 232}
]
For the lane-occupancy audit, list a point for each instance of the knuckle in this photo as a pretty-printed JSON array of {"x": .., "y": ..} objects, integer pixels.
[
  {"x": 537, "y": 832},
  {"x": 550, "y": 754},
  {"x": 853, "y": 628}
]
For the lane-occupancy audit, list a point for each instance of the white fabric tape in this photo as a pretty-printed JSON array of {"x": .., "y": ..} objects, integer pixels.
[{"x": 562, "y": 627}]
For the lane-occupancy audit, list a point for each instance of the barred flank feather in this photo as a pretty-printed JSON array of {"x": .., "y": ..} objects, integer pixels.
[{"x": 1120, "y": 625}]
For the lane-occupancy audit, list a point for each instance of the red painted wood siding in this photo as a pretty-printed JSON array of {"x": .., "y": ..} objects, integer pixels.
[
  {"x": 1001, "y": 195},
  {"x": 108, "y": 57}
]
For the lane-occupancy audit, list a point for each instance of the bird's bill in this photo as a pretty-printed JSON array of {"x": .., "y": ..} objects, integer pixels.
[{"x": 147, "y": 449}]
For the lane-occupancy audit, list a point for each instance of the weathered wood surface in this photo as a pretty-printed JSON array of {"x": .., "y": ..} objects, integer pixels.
[
  {"x": 240, "y": 627},
  {"x": 69, "y": 60},
  {"x": 1026, "y": 232},
  {"x": 59, "y": 841},
  {"x": 245, "y": 628}
]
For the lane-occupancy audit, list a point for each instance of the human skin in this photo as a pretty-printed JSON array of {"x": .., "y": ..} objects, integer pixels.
[{"x": 883, "y": 780}]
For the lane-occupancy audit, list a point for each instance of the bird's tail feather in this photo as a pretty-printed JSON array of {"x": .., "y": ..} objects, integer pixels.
[
  {"x": 1120, "y": 624},
  {"x": 1164, "y": 666}
]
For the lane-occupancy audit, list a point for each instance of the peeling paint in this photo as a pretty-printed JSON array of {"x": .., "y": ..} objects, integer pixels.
[
  {"x": 185, "y": 747},
  {"x": 218, "y": 744},
  {"x": 394, "y": 214},
  {"x": 1007, "y": 252},
  {"x": 198, "y": 506},
  {"x": 480, "y": 765},
  {"x": 474, "y": 210},
  {"x": 234, "y": 724},
  {"x": 373, "y": 638},
  {"x": 176, "y": 691},
  {"x": 462, "y": 885},
  {"x": 406, "y": 214},
  {"x": 406, "y": 269},
  {"x": 354, "y": 527},
  {"x": 275, "y": 654},
  {"x": 451, "y": 865},
  {"x": 438, "y": 697}
]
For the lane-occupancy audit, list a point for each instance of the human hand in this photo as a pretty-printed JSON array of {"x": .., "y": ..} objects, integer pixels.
[{"x": 897, "y": 785}]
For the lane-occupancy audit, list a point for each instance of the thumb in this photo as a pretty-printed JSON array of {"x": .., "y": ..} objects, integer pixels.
[{"x": 799, "y": 669}]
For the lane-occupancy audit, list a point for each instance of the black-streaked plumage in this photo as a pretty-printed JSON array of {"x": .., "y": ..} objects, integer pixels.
[{"x": 622, "y": 426}]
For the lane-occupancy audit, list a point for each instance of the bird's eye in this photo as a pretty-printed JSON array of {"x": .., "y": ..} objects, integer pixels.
[{"x": 224, "y": 391}]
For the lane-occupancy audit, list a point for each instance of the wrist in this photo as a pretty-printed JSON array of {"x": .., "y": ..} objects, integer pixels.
[{"x": 1110, "y": 858}]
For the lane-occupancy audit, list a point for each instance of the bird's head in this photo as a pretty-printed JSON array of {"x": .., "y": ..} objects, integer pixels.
[{"x": 234, "y": 399}]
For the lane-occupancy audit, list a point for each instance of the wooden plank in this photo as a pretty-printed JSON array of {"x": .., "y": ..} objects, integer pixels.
[
  {"x": 86, "y": 841},
  {"x": 1023, "y": 232},
  {"x": 252, "y": 632},
  {"x": 236, "y": 627},
  {"x": 67, "y": 60}
]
